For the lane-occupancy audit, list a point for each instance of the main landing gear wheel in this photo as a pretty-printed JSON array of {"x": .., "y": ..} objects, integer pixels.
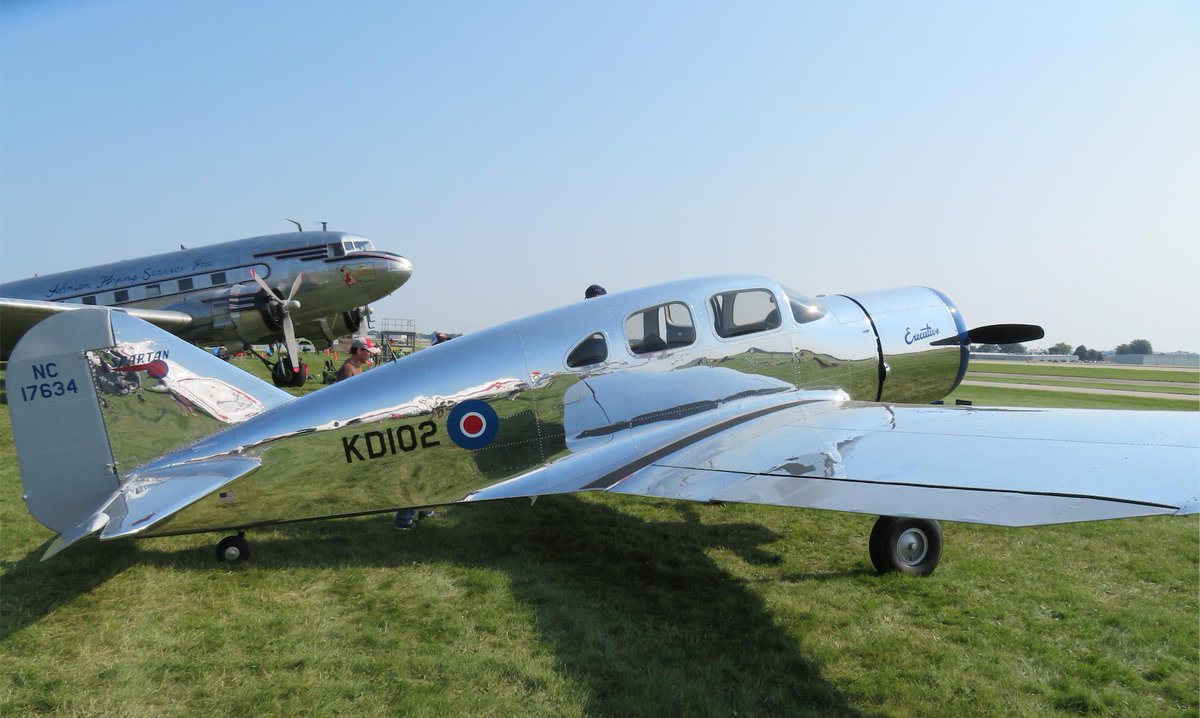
[
  {"x": 233, "y": 549},
  {"x": 282, "y": 374},
  {"x": 905, "y": 545}
]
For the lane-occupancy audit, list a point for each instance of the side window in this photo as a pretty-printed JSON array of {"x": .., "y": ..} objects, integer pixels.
[
  {"x": 89, "y": 299},
  {"x": 185, "y": 284},
  {"x": 592, "y": 350},
  {"x": 744, "y": 312},
  {"x": 804, "y": 310},
  {"x": 153, "y": 290},
  {"x": 666, "y": 326},
  {"x": 121, "y": 295},
  {"x": 218, "y": 278}
]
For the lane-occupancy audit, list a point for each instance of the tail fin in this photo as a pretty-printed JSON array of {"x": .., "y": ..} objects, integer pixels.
[{"x": 95, "y": 393}]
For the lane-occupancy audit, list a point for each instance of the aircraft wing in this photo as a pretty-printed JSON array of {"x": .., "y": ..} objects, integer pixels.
[
  {"x": 1011, "y": 467},
  {"x": 17, "y": 316}
]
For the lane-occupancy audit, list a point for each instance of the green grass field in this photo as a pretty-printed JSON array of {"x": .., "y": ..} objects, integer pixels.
[{"x": 603, "y": 605}]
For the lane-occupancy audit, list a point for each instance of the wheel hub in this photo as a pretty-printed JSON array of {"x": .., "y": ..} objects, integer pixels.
[{"x": 912, "y": 546}]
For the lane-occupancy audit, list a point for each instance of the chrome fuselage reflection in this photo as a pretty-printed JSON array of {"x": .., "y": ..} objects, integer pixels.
[{"x": 449, "y": 421}]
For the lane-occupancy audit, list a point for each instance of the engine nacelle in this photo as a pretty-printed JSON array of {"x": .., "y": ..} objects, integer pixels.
[{"x": 906, "y": 321}]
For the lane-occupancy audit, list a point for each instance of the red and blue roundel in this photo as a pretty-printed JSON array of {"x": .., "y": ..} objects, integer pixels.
[{"x": 472, "y": 424}]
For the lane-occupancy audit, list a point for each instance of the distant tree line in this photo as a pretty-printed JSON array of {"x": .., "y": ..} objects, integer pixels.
[{"x": 1137, "y": 346}]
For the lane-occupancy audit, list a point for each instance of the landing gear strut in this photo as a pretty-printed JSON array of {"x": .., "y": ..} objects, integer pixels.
[
  {"x": 906, "y": 545},
  {"x": 233, "y": 549}
]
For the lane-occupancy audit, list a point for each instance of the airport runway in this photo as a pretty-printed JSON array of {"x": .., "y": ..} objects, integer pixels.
[
  {"x": 1082, "y": 389},
  {"x": 1084, "y": 379}
]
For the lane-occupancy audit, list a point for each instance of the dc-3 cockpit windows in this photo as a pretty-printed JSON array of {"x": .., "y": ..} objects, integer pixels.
[
  {"x": 346, "y": 246},
  {"x": 804, "y": 309},
  {"x": 745, "y": 311},
  {"x": 592, "y": 350},
  {"x": 666, "y": 326}
]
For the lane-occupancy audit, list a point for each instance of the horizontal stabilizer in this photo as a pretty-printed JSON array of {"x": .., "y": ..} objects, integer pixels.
[{"x": 147, "y": 499}]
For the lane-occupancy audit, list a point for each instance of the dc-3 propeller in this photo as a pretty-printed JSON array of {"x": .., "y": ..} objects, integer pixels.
[
  {"x": 995, "y": 334},
  {"x": 286, "y": 307}
]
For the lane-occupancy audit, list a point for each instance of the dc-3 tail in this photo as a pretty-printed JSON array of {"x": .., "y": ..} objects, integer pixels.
[{"x": 96, "y": 394}]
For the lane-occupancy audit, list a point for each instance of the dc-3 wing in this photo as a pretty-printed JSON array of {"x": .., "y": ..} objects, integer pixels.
[
  {"x": 1010, "y": 467},
  {"x": 18, "y": 316}
]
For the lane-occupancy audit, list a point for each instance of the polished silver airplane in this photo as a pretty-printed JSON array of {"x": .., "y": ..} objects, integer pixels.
[
  {"x": 722, "y": 389},
  {"x": 248, "y": 291}
]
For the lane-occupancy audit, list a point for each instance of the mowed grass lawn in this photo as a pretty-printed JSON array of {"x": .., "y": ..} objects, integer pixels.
[{"x": 601, "y": 605}]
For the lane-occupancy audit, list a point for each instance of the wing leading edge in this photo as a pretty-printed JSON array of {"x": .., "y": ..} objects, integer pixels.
[{"x": 18, "y": 316}]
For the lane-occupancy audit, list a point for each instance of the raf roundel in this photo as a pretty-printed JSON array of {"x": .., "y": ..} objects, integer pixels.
[{"x": 472, "y": 424}]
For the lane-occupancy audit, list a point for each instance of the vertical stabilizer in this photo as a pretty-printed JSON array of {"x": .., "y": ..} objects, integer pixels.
[
  {"x": 96, "y": 393},
  {"x": 66, "y": 464}
]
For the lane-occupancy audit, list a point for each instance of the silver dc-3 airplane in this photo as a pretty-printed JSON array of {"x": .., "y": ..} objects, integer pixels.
[
  {"x": 248, "y": 291},
  {"x": 725, "y": 389}
]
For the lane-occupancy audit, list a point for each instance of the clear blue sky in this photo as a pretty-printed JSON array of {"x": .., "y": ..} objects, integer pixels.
[{"x": 1038, "y": 162}]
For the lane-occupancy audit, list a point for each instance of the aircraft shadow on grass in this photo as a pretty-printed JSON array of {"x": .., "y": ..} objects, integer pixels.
[{"x": 665, "y": 612}]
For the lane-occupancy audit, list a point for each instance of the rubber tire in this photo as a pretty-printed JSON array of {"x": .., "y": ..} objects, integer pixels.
[
  {"x": 878, "y": 560},
  {"x": 281, "y": 373},
  {"x": 298, "y": 377},
  {"x": 233, "y": 542},
  {"x": 885, "y": 544}
]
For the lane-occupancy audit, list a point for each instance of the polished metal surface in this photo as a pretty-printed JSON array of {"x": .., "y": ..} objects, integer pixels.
[
  {"x": 209, "y": 295},
  {"x": 755, "y": 394}
]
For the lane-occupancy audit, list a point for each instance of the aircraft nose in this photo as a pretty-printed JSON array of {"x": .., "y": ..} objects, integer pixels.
[{"x": 400, "y": 269}]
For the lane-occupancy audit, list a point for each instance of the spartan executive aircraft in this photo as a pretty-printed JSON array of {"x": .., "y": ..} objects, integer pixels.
[
  {"x": 248, "y": 291},
  {"x": 722, "y": 389}
]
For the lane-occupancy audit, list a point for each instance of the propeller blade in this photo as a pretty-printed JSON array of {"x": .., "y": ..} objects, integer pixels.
[
  {"x": 266, "y": 287},
  {"x": 295, "y": 286},
  {"x": 995, "y": 334},
  {"x": 289, "y": 335}
]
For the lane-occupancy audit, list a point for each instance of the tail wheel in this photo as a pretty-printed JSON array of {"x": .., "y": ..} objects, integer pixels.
[
  {"x": 233, "y": 549},
  {"x": 906, "y": 545}
]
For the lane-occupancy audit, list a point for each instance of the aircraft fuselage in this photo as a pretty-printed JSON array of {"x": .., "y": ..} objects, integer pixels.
[{"x": 214, "y": 285}]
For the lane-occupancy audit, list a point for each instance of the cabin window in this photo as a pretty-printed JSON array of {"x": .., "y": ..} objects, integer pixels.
[
  {"x": 153, "y": 290},
  {"x": 89, "y": 299},
  {"x": 218, "y": 278},
  {"x": 804, "y": 310},
  {"x": 592, "y": 350},
  {"x": 747, "y": 311},
  {"x": 666, "y": 326},
  {"x": 121, "y": 295},
  {"x": 185, "y": 284}
]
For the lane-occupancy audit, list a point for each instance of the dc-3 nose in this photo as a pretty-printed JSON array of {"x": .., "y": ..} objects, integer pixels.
[{"x": 397, "y": 269}]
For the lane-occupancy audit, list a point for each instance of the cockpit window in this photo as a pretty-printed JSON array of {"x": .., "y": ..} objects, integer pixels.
[
  {"x": 346, "y": 246},
  {"x": 592, "y": 350},
  {"x": 666, "y": 326},
  {"x": 804, "y": 310},
  {"x": 746, "y": 311}
]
